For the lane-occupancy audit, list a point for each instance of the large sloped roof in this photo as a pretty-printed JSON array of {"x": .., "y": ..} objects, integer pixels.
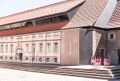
[
  {"x": 88, "y": 13},
  {"x": 114, "y": 22},
  {"x": 57, "y": 8}
]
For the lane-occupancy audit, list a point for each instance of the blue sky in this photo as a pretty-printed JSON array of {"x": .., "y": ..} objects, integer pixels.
[{"x": 8, "y": 7}]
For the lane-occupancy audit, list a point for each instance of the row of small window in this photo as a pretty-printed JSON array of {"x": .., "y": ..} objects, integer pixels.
[
  {"x": 39, "y": 59},
  {"x": 1, "y": 57},
  {"x": 41, "y": 35},
  {"x": 15, "y": 25},
  {"x": 41, "y": 48},
  {"x": 46, "y": 59},
  {"x": 6, "y": 47},
  {"x": 35, "y": 22}
]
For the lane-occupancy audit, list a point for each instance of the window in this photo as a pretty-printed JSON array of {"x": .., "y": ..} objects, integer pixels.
[
  {"x": 111, "y": 36},
  {"x": 56, "y": 34},
  {"x": 12, "y": 37},
  {"x": 33, "y": 58},
  {"x": 16, "y": 58},
  {"x": 19, "y": 37},
  {"x": 6, "y": 57},
  {"x": 11, "y": 48},
  {"x": 1, "y": 27},
  {"x": 6, "y": 48},
  {"x": 26, "y": 36},
  {"x": 40, "y": 35},
  {"x": 48, "y": 47},
  {"x": 51, "y": 20},
  {"x": 55, "y": 47},
  {"x": 23, "y": 23},
  {"x": 43, "y": 21},
  {"x": 48, "y": 34},
  {"x": 6, "y": 38},
  {"x": 1, "y": 49},
  {"x": 41, "y": 47},
  {"x": 63, "y": 17},
  {"x": 7, "y": 27},
  {"x": 1, "y": 57},
  {"x": 55, "y": 60},
  {"x": 26, "y": 58},
  {"x": 55, "y": 19},
  {"x": 15, "y": 25},
  {"x": 47, "y": 59},
  {"x": 27, "y": 48},
  {"x": 29, "y": 24},
  {"x": 33, "y": 48},
  {"x": 40, "y": 59},
  {"x": 33, "y": 36},
  {"x": 11, "y": 58}
]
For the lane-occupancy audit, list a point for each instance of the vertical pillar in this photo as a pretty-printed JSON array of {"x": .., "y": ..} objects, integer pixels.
[{"x": 94, "y": 43}]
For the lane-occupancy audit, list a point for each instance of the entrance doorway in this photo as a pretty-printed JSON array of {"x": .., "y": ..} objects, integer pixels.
[
  {"x": 102, "y": 55},
  {"x": 19, "y": 54},
  {"x": 118, "y": 56}
]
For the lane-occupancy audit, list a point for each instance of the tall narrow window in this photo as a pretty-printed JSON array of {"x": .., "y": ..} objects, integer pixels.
[
  {"x": 33, "y": 48},
  {"x": 55, "y": 47},
  {"x": 41, "y": 47},
  {"x": 56, "y": 60},
  {"x": 48, "y": 34},
  {"x": 27, "y": 48},
  {"x": 11, "y": 48},
  {"x": 1, "y": 49},
  {"x": 48, "y": 47},
  {"x": 40, "y": 35},
  {"x": 6, "y": 48}
]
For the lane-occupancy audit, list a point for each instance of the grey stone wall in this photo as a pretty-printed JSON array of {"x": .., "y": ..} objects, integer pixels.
[{"x": 113, "y": 45}]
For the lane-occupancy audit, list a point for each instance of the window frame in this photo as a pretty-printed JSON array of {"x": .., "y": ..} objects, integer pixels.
[{"x": 113, "y": 36}]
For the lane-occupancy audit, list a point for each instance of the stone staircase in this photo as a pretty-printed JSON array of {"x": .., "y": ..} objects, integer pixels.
[{"x": 113, "y": 73}]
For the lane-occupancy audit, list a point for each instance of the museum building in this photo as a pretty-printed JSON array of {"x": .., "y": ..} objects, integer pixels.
[{"x": 66, "y": 33}]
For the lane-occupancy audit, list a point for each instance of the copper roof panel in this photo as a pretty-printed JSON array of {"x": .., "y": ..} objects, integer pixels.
[
  {"x": 88, "y": 13},
  {"x": 41, "y": 12},
  {"x": 114, "y": 22}
]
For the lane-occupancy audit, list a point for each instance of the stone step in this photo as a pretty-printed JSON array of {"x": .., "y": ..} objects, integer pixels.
[
  {"x": 70, "y": 72},
  {"x": 91, "y": 73},
  {"x": 88, "y": 71}
]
